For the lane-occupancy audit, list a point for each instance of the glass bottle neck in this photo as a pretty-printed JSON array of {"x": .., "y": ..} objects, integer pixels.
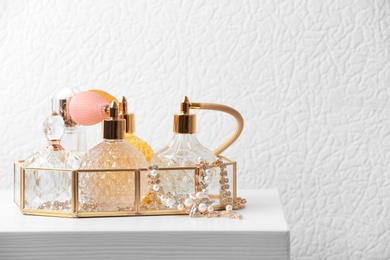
[
  {"x": 111, "y": 141},
  {"x": 186, "y": 138},
  {"x": 187, "y": 142}
]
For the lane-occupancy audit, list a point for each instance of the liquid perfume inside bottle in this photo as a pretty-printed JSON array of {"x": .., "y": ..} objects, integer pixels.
[
  {"x": 131, "y": 138},
  {"x": 74, "y": 138},
  {"x": 49, "y": 189},
  {"x": 106, "y": 191},
  {"x": 183, "y": 150}
]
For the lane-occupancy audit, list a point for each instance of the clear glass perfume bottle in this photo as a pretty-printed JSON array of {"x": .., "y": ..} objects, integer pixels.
[
  {"x": 50, "y": 189},
  {"x": 74, "y": 138},
  {"x": 131, "y": 138},
  {"x": 183, "y": 150},
  {"x": 110, "y": 191}
]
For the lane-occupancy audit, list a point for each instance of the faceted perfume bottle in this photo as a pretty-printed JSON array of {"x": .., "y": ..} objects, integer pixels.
[
  {"x": 49, "y": 189},
  {"x": 183, "y": 150},
  {"x": 74, "y": 138},
  {"x": 110, "y": 191},
  {"x": 131, "y": 138}
]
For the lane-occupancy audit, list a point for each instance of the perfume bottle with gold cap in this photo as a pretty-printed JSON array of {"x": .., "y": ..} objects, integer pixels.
[
  {"x": 110, "y": 191},
  {"x": 131, "y": 138},
  {"x": 184, "y": 150},
  {"x": 50, "y": 189}
]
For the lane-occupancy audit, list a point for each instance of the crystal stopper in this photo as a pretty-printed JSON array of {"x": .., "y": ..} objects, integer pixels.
[{"x": 54, "y": 127}]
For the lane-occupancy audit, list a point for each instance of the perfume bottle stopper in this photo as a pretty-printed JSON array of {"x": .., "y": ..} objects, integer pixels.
[{"x": 53, "y": 127}]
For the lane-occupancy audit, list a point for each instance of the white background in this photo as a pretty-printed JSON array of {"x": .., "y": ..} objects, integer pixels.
[{"x": 311, "y": 79}]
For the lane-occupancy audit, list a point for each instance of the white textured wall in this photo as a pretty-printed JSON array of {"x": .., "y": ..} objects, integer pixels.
[{"x": 311, "y": 79}]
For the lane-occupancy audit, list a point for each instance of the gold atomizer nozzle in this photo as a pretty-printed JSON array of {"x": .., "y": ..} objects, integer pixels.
[
  {"x": 184, "y": 123},
  {"x": 113, "y": 127},
  {"x": 129, "y": 117}
]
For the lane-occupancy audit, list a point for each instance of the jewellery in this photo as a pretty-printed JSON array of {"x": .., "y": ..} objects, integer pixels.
[
  {"x": 239, "y": 203},
  {"x": 198, "y": 204},
  {"x": 56, "y": 205}
]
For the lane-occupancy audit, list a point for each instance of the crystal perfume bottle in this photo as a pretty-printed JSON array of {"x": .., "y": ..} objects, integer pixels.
[
  {"x": 183, "y": 150},
  {"x": 131, "y": 138},
  {"x": 50, "y": 189},
  {"x": 74, "y": 138},
  {"x": 110, "y": 191}
]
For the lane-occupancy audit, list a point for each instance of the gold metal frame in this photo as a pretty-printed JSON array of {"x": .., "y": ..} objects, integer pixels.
[{"x": 138, "y": 211}]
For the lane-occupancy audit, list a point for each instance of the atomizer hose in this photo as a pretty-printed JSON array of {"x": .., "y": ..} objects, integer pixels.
[{"x": 228, "y": 110}]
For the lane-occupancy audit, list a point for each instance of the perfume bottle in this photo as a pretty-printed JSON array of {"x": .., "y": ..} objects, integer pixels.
[
  {"x": 110, "y": 191},
  {"x": 74, "y": 138},
  {"x": 131, "y": 138},
  {"x": 50, "y": 189},
  {"x": 183, "y": 150}
]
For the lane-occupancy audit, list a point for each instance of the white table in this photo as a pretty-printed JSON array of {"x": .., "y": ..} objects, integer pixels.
[{"x": 262, "y": 234}]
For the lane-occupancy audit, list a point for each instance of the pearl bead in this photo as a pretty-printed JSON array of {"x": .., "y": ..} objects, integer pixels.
[
  {"x": 180, "y": 207},
  {"x": 199, "y": 195},
  {"x": 156, "y": 187},
  {"x": 208, "y": 179},
  {"x": 210, "y": 208},
  {"x": 208, "y": 172},
  {"x": 229, "y": 208},
  {"x": 163, "y": 198},
  {"x": 202, "y": 207},
  {"x": 188, "y": 202},
  {"x": 169, "y": 202},
  {"x": 154, "y": 173}
]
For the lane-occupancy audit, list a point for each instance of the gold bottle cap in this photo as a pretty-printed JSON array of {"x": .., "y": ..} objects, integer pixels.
[
  {"x": 113, "y": 127},
  {"x": 184, "y": 123},
  {"x": 129, "y": 117}
]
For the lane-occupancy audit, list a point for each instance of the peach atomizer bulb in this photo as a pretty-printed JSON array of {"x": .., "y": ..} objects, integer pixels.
[
  {"x": 131, "y": 138},
  {"x": 88, "y": 108},
  {"x": 91, "y": 107},
  {"x": 74, "y": 138}
]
